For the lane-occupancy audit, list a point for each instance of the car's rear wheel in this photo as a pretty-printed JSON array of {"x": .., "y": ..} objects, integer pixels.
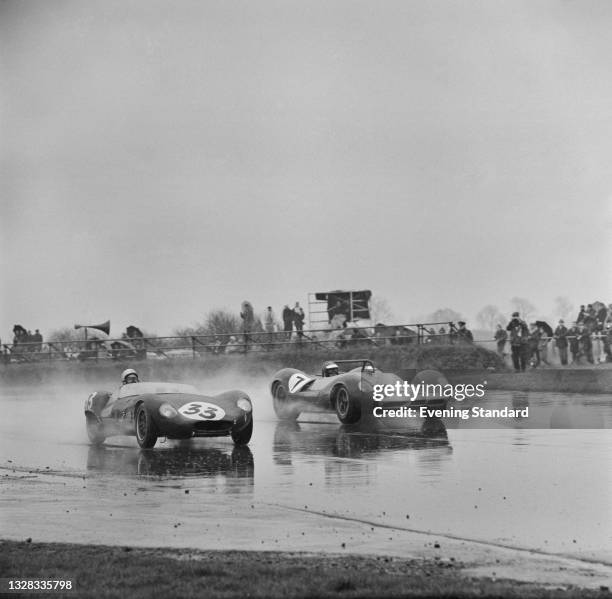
[
  {"x": 146, "y": 429},
  {"x": 347, "y": 409},
  {"x": 282, "y": 404},
  {"x": 95, "y": 430},
  {"x": 242, "y": 437}
]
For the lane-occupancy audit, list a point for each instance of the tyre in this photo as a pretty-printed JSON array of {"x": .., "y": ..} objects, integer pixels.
[
  {"x": 347, "y": 409},
  {"x": 282, "y": 404},
  {"x": 95, "y": 430},
  {"x": 146, "y": 429},
  {"x": 242, "y": 437}
]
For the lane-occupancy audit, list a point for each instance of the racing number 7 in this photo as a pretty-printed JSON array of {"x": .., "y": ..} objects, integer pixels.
[{"x": 298, "y": 379}]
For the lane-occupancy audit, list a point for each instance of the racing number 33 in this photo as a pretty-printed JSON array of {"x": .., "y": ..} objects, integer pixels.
[{"x": 201, "y": 410}]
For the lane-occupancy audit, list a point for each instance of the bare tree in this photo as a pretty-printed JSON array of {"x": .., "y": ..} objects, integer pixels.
[
  {"x": 216, "y": 322},
  {"x": 524, "y": 307},
  {"x": 444, "y": 315},
  {"x": 489, "y": 316},
  {"x": 221, "y": 321}
]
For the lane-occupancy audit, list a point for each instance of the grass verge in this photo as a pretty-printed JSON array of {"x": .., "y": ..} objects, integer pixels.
[{"x": 105, "y": 572}]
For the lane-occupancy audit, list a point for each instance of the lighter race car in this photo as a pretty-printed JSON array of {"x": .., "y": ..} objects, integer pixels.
[
  {"x": 348, "y": 394},
  {"x": 172, "y": 410}
]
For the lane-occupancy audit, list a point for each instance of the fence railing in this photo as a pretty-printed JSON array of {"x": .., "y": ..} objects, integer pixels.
[
  {"x": 242, "y": 342},
  {"x": 228, "y": 343}
]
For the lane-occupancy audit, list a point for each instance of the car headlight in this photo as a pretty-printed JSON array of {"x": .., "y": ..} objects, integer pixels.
[
  {"x": 244, "y": 404},
  {"x": 167, "y": 410}
]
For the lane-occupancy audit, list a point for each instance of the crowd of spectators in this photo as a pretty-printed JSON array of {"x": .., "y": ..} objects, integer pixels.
[{"x": 588, "y": 339}]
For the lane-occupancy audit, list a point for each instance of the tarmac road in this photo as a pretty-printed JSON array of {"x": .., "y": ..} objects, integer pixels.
[{"x": 506, "y": 503}]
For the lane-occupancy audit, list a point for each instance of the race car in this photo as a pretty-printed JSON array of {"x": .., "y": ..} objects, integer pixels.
[
  {"x": 348, "y": 394},
  {"x": 176, "y": 411}
]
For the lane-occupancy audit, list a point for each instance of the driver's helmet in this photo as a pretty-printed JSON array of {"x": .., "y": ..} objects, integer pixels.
[
  {"x": 368, "y": 368},
  {"x": 330, "y": 369},
  {"x": 129, "y": 375}
]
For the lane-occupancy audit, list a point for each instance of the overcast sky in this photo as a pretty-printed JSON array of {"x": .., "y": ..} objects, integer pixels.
[{"x": 160, "y": 159}]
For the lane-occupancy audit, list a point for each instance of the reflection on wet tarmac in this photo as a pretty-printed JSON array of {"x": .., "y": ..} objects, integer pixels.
[
  {"x": 352, "y": 441},
  {"x": 181, "y": 461}
]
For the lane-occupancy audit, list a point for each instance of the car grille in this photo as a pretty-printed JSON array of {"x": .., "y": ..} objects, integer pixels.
[{"x": 211, "y": 427}]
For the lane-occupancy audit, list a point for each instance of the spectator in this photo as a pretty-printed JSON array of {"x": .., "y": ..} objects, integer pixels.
[
  {"x": 38, "y": 338},
  {"x": 607, "y": 341},
  {"x": 581, "y": 315},
  {"x": 586, "y": 343},
  {"x": 335, "y": 311},
  {"x": 501, "y": 337},
  {"x": 560, "y": 337},
  {"x": 442, "y": 337},
  {"x": 464, "y": 335},
  {"x": 543, "y": 346},
  {"x": 574, "y": 342},
  {"x": 608, "y": 320},
  {"x": 519, "y": 342},
  {"x": 248, "y": 320},
  {"x": 287, "y": 321},
  {"x": 268, "y": 322},
  {"x": 298, "y": 319},
  {"x": 590, "y": 319},
  {"x": 534, "y": 345}
]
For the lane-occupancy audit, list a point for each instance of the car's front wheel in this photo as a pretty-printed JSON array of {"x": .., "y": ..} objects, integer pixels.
[
  {"x": 146, "y": 429},
  {"x": 243, "y": 436},
  {"x": 348, "y": 409},
  {"x": 95, "y": 430},
  {"x": 282, "y": 404}
]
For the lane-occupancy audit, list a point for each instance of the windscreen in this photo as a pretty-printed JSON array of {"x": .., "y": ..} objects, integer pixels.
[{"x": 159, "y": 388}]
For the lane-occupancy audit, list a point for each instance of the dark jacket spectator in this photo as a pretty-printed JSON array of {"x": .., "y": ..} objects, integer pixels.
[
  {"x": 464, "y": 335},
  {"x": 574, "y": 342},
  {"x": 586, "y": 343},
  {"x": 561, "y": 341},
  {"x": 287, "y": 319},
  {"x": 519, "y": 341},
  {"x": 298, "y": 319}
]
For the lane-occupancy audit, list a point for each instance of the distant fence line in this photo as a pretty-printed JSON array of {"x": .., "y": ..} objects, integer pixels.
[{"x": 237, "y": 342}]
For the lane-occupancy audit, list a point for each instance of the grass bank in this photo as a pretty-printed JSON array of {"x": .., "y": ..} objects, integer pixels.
[{"x": 108, "y": 572}]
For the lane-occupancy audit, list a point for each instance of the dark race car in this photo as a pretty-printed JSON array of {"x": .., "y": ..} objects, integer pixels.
[
  {"x": 171, "y": 410},
  {"x": 349, "y": 394}
]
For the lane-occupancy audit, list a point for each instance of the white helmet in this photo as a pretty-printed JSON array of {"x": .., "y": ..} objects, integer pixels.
[
  {"x": 330, "y": 369},
  {"x": 127, "y": 372}
]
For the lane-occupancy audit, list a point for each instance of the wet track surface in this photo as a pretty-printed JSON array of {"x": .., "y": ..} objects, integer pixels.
[{"x": 518, "y": 501}]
